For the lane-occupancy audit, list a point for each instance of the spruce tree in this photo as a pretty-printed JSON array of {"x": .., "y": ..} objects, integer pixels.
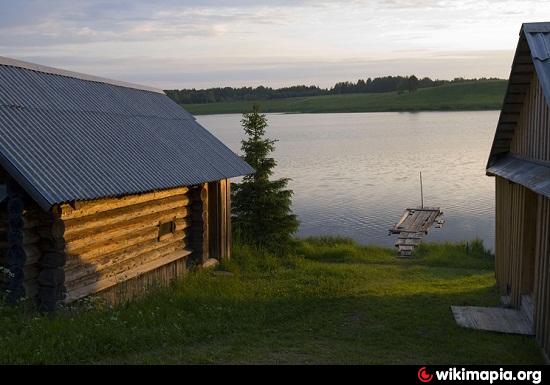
[{"x": 261, "y": 207}]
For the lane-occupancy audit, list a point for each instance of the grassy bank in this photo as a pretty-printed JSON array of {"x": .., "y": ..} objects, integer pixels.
[
  {"x": 333, "y": 302},
  {"x": 484, "y": 95}
]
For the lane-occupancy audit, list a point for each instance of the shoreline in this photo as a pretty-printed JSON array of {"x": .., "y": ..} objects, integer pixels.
[
  {"x": 480, "y": 96},
  {"x": 346, "y": 112}
]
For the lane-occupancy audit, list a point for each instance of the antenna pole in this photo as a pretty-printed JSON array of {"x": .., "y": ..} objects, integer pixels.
[{"x": 421, "y": 191}]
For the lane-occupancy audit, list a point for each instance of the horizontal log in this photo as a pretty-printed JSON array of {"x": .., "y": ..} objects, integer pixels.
[
  {"x": 53, "y": 259},
  {"x": 75, "y": 264},
  {"x": 32, "y": 253},
  {"x": 52, "y": 245},
  {"x": 24, "y": 222},
  {"x": 103, "y": 284},
  {"x": 30, "y": 272},
  {"x": 101, "y": 235},
  {"x": 88, "y": 273},
  {"x": 88, "y": 253},
  {"x": 125, "y": 214},
  {"x": 15, "y": 207},
  {"x": 53, "y": 277},
  {"x": 66, "y": 211},
  {"x": 31, "y": 288},
  {"x": 22, "y": 237}
]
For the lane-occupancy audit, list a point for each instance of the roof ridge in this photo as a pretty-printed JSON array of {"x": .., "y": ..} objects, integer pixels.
[
  {"x": 537, "y": 27},
  {"x": 5, "y": 61}
]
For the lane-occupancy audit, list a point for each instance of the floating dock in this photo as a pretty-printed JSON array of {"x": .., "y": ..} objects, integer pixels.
[{"x": 413, "y": 226}]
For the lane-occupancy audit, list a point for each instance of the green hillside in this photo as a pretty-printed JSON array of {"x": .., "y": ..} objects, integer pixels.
[{"x": 479, "y": 95}]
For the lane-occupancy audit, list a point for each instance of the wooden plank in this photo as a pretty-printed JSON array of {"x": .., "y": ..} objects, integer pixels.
[
  {"x": 493, "y": 319},
  {"x": 412, "y": 227}
]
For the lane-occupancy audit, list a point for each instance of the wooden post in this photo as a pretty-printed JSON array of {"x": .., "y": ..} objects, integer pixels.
[{"x": 421, "y": 192}]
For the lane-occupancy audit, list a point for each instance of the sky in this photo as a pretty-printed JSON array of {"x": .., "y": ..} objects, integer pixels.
[{"x": 187, "y": 43}]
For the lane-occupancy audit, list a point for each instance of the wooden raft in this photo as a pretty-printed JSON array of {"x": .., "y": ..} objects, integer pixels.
[{"x": 413, "y": 226}]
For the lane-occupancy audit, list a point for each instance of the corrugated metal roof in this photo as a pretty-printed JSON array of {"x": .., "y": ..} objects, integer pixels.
[
  {"x": 532, "y": 56},
  {"x": 533, "y": 175},
  {"x": 71, "y": 74},
  {"x": 66, "y": 138}
]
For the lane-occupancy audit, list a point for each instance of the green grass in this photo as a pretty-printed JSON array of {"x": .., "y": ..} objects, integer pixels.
[
  {"x": 481, "y": 95},
  {"x": 332, "y": 302}
]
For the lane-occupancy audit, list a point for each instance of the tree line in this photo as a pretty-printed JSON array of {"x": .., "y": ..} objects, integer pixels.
[{"x": 400, "y": 84}]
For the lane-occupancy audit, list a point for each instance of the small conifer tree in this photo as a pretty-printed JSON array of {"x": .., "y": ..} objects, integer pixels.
[{"x": 261, "y": 207}]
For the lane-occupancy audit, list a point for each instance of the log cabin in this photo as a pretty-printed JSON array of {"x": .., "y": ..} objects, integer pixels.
[
  {"x": 520, "y": 162},
  {"x": 106, "y": 187}
]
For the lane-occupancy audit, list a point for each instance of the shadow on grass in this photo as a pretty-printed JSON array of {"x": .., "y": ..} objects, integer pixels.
[{"x": 227, "y": 322}]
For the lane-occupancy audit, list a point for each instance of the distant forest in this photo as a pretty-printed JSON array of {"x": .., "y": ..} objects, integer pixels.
[{"x": 381, "y": 84}]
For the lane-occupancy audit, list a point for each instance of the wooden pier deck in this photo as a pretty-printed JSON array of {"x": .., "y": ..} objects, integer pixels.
[{"x": 413, "y": 226}]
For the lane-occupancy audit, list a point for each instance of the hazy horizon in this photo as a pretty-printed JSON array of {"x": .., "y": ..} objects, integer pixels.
[{"x": 214, "y": 43}]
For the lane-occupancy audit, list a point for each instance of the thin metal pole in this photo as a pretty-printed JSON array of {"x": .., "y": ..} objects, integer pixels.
[{"x": 421, "y": 191}]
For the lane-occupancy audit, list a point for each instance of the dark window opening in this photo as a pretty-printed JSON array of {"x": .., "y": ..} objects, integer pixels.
[{"x": 166, "y": 228}]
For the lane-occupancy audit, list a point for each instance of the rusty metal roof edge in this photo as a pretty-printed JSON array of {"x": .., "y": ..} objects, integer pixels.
[{"x": 75, "y": 75}]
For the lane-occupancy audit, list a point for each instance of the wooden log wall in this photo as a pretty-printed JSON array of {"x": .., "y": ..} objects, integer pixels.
[
  {"x": 20, "y": 242},
  {"x": 531, "y": 138},
  {"x": 110, "y": 241},
  {"x": 515, "y": 237},
  {"x": 542, "y": 277},
  {"x": 199, "y": 232},
  {"x": 219, "y": 214}
]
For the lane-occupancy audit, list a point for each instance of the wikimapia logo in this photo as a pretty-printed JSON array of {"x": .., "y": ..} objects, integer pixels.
[
  {"x": 423, "y": 375},
  {"x": 490, "y": 376}
]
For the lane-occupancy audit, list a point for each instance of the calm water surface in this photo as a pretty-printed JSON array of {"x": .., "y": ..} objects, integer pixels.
[{"x": 353, "y": 174}]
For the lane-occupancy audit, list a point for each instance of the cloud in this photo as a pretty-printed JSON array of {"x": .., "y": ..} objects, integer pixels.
[{"x": 192, "y": 42}]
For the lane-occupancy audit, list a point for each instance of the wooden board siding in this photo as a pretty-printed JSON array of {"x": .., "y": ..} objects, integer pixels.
[
  {"x": 531, "y": 138},
  {"x": 515, "y": 239},
  {"x": 542, "y": 276},
  {"x": 111, "y": 241}
]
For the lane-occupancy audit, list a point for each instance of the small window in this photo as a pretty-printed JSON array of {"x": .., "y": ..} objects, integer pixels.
[{"x": 166, "y": 228}]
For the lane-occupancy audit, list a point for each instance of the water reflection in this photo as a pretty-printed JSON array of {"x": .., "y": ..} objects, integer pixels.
[{"x": 353, "y": 174}]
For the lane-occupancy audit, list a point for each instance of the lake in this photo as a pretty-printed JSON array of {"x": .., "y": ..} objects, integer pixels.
[{"x": 354, "y": 174}]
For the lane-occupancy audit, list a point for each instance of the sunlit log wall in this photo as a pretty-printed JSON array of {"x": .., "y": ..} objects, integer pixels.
[
  {"x": 110, "y": 241},
  {"x": 118, "y": 247}
]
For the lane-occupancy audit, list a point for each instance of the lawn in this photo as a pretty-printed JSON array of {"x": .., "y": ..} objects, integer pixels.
[
  {"x": 331, "y": 301},
  {"x": 480, "y": 95}
]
